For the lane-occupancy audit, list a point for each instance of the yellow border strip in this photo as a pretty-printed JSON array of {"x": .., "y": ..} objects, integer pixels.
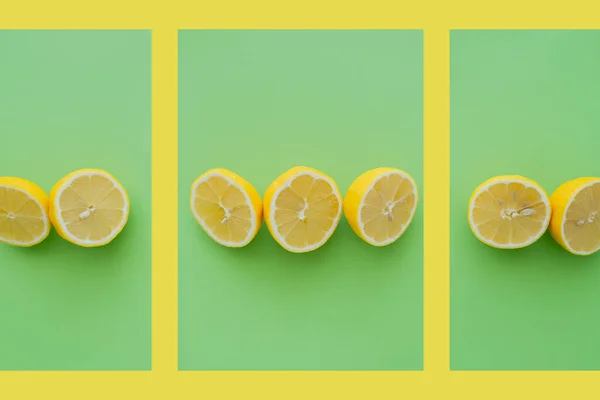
[
  {"x": 437, "y": 200},
  {"x": 164, "y": 200}
]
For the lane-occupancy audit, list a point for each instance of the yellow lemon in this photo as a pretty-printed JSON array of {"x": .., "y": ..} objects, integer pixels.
[
  {"x": 302, "y": 209},
  {"x": 23, "y": 212},
  {"x": 509, "y": 212},
  {"x": 89, "y": 207},
  {"x": 575, "y": 222},
  {"x": 380, "y": 205},
  {"x": 227, "y": 207}
]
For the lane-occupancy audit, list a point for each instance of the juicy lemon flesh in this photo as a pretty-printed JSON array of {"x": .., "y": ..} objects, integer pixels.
[
  {"x": 582, "y": 220},
  {"x": 21, "y": 218},
  {"x": 305, "y": 211},
  {"x": 224, "y": 209},
  {"x": 387, "y": 207},
  {"x": 509, "y": 213},
  {"x": 92, "y": 207}
]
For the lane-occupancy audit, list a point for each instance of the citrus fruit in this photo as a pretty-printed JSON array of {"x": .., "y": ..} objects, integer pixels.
[
  {"x": 89, "y": 207},
  {"x": 23, "y": 212},
  {"x": 302, "y": 209},
  {"x": 380, "y": 205},
  {"x": 509, "y": 212},
  {"x": 575, "y": 222},
  {"x": 227, "y": 207}
]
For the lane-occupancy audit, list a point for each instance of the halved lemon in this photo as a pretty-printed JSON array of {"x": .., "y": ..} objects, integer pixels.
[
  {"x": 302, "y": 209},
  {"x": 380, "y": 205},
  {"x": 575, "y": 222},
  {"x": 89, "y": 207},
  {"x": 227, "y": 207},
  {"x": 509, "y": 212},
  {"x": 23, "y": 212}
]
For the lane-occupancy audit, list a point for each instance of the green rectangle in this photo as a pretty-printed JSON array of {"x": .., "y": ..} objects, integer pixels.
[
  {"x": 71, "y": 100},
  {"x": 259, "y": 103},
  {"x": 527, "y": 103}
]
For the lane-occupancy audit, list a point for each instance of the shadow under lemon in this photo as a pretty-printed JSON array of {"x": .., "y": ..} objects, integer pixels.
[
  {"x": 56, "y": 253},
  {"x": 544, "y": 261},
  {"x": 343, "y": 257}
]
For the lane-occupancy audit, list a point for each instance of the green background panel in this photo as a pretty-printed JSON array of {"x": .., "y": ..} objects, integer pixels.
[
  {"x": 523, "y": 102},
  {"x": 258, "y": 103},
  {"x": 70, "y": 100}
]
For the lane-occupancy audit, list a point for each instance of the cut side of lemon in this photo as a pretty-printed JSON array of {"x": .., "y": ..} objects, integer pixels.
[
  {"x": 89, "y": 207},
  {"x": 509, "y": 212},
  {"x": 302, "y": 209},
  {"x": 575, "y": 222},
  {"x": 380, "y": 205},
  {"x": 227, "y": 207},
  {"x": 24, "y": 218}
]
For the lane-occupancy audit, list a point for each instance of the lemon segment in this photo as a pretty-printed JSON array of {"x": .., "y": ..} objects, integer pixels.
[
  {"x": 23, "y": 212},
  {"x": 89, "y": 207},
  {"x": 227, "y": 207},
  {"x": 302, "y": 209},
  {"x": 380, "y": 205},
  {"x": 509, "y": 212},
  {"x": 575, "y": 222}
]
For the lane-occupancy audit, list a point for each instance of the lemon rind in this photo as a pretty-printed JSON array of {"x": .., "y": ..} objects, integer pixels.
[
  {"x": 287, "y": 184},
  {"x": 369, "y": 239},
  {"x": 63, "y": 225},
  {"x": 253, "y": 217},
  {"x": 564, "y": 218},
  {"x": 532, "y": 239},
  {"x": 45, "y": 218}
]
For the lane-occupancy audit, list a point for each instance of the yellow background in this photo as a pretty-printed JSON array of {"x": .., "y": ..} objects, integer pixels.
[{"x": 165, "y": 18}]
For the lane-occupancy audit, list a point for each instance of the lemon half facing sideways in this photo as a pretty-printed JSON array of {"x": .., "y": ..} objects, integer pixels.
[
  {"x": 302, "y": 209},
  {"x": 89, "y": 207},
  {"x": 509, "y": 212},
  {"x": 227, "y": 207},
  {"x": 24, "y": 218},
  {"x": 575, "y": 222},
  {"x": 380, "y": 205}
]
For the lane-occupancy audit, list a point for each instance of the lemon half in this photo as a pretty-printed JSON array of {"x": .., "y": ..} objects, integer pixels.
[
  {"x": 302, "y": 209},
  {"x": 575, "y": 222},
  {"x": 227, "y": 207},
  {"x": 380, "y": 205},
  {"x": 89, "y": 207},
  {"x": 23, "y": 212},
  {"x": 509, "y": 212}
]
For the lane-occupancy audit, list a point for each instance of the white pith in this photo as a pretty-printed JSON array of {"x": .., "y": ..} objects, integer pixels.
[
  {"x": 564, "y": 219},
  {"x": 63, "y": 224},
  {"x": 44, "y": 218},
  {"x": 334, "y": 225},
  {"x": 362, "y": 203},
  {"x": 543, "y": 197},
  {"x": 253, "y": 225}
]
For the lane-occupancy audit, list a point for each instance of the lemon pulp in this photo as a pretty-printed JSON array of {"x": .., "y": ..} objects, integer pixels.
[
  {"x": 380, "y": 205},
  {"x": 509, "y": 212},
  {"x": 89, "y": 207},
  {"x": 227, "y": 207},
  {"x": 304, "y": 208},
  {"x": 576, "y": 215},
  {"x": 23, "y": 212}
]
